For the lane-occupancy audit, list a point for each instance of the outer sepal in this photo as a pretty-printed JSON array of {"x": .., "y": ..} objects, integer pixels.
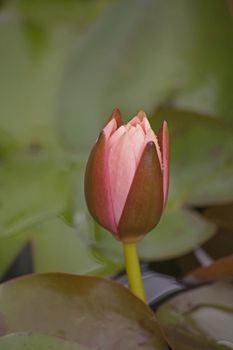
[
  {"x": 144, "y": 204},
  {"x": 97, "y": 188},
  {"x": 116, "y": 114},
  {"x": 163, "y": 141}
]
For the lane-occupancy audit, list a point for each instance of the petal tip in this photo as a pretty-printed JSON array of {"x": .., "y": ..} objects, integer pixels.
[
  {"x": 150, "y": 145},
  {"x": 116, "y": 114},
  {"x": 141, "y": 115},
  {"x": 103, "y": 135},
  {"x": 164, "y": 127}
]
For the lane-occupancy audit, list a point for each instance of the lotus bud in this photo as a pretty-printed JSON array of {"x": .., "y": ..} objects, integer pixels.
[{"x": 126, "y": 180}]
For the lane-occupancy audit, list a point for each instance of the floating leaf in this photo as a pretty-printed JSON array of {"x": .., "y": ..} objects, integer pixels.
[
  {"x": 179, "y": 231},
  {"x": 41, "y": 35},
  {"x": 201, "y": 157},
  {"x": 58, "y": 247},
  {"x": 75, "y": 307},
  {"x": 26, "y": 100},
  {"x": 219, "y": 269},
  {"x": 34, "y": 189},
  {"x": 24, "y": 341},
  {"x": 9, "y": 249},
  {"x": 34, "y": 194},
  {"x": 150, "y": 58},
  {"x": 221, "y": 215},
  {"x": 199, "y": 319}
]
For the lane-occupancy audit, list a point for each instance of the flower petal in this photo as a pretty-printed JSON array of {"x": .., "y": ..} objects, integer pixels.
[
  {"x": 134, "y": 121},
  {"x": 97, "y": 187},
  {"x": 145, "y": 125},
  {"x": 137, "y": 138},
  {"x": 110, "y": 128},
  {"x": 116, "y": 136},
  {"x": 163, "y": 140},
  {"x": 144, "y": 204},
  {"x": 122, "y": 167}
]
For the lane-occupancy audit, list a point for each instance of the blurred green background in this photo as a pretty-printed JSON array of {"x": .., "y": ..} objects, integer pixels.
[{"x": 64, "y": 65}]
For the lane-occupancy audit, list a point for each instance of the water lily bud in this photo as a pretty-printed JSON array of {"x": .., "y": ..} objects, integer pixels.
[{"x": 126, "y": 180}]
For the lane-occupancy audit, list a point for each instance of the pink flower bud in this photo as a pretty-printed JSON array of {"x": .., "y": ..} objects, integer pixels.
[{"x": 126, "y": 180}]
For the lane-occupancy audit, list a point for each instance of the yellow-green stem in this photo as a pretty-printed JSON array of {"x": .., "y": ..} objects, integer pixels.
[{"x": 133, "y": 270}]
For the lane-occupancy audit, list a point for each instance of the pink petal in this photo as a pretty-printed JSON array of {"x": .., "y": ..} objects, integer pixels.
[
  {"x": 163, "y": 140},
  {"x": 110, "y": 128},
  {"x": 122, "y": 167},
  {"x": 116, "y": 136},
  {"x": 134, "y": 121},
  {"x": 145, "y": 125},
  {"x": 137, "y": 138}
]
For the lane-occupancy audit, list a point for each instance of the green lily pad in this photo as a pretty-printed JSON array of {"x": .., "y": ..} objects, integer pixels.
[
  {"x": 34, "y": 189},
  {"x": 59, "y": 247},
  {"x": 147, "y": 60},
  {"x": 24, "y": 341},
  {"x": 75, "y": 307},
  {"x": 41, "y": 36},
  {"x": 26, "y": 101},
  {"x": 9, "y": 249},
  {"x": 72, "y": 14},
  {"x": 35, "y": 192},
  {"x": 179, "y": 231},
  {"x": 199, "y": 319},
  {"x": 56, "y": 246},
  {"x": 201, "y": 157}
]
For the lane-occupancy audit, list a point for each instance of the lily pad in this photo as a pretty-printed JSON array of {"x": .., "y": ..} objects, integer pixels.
[
  {"x": 179, "y": 231},
  {"x": 201, "y": 157},
  {"x": 219, "y": 269},
  {"x": 58, "y": 247},
  {"x": 71, "y": 14},
  {"x": 35, "y": 192},
  {"x": 34, "y": 189},
  {"x": 221, "y": 215},
  {"x": 73, "y": 307},
  {"x": 9, "y": 249},
  {"x": 199, "y": 319},
  {"x": 24, "y": 341},
  {"x": 41, "y": 36},
  {"x": 26, "y": 101},
  {"x": 147, "y": 60}
]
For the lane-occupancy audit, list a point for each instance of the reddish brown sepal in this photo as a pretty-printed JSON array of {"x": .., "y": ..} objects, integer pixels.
[
  {"x": 163, "y": 140},
  {"x": 144, "y": 204},
  {"x": 96, "y": 186},
  {"x": 116, "y": 114}
]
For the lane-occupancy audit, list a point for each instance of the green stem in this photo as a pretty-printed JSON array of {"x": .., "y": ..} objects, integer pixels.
[{"x": 133, "y": 270}]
